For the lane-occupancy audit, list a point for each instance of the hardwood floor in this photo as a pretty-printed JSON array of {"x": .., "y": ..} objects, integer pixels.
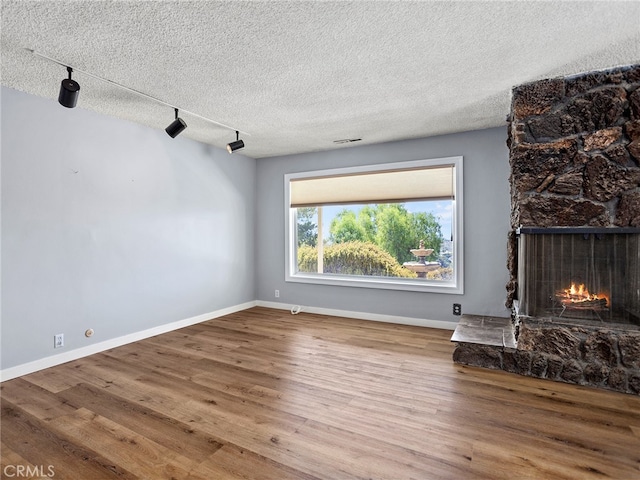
[{"x": 263, "y": 394}]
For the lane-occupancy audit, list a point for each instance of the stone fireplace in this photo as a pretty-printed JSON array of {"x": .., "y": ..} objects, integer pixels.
[{"x": 574, "y": 248}]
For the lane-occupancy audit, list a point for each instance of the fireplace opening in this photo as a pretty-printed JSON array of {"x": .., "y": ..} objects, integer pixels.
[{"x": 579, "y": 275}]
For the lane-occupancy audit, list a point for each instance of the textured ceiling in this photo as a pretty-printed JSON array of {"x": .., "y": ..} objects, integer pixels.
[{"x": 296, "y": 76}]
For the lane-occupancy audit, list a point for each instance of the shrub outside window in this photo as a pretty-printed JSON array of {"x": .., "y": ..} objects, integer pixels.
[{"x": 393, "y": 226}]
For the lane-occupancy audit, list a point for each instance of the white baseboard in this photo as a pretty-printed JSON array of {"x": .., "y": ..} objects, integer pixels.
[
  {"x": 30, "y": 367},
  {"x": 418, "y": 322}
]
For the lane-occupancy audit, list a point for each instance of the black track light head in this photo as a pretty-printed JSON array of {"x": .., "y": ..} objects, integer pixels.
[
  {"x": 237, "y": 145},
  {"x": 69, "y": 91},
  {"x": 176, "y": 127},
  {"x": 233, "y": 146}
]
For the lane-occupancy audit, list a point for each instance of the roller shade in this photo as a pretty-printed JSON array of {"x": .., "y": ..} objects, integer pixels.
[{"x": 391, "y": 186}]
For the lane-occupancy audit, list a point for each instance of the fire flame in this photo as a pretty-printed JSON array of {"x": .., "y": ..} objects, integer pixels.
[{"x": 580, "y": 293}]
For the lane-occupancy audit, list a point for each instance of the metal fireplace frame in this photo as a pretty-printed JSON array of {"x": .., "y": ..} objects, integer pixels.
[{"x": 529, "y": 297}]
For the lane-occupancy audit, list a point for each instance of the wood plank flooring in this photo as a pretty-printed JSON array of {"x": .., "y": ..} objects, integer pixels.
[{"x": 263, "y": 394}]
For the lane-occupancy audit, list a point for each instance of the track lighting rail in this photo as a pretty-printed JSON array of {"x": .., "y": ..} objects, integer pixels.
[{"x": 132, "y": 90}]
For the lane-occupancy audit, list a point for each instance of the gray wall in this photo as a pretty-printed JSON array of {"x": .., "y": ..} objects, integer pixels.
[
  {"x": 486, "y": 217},
  {"x": 114, "y": 226}
]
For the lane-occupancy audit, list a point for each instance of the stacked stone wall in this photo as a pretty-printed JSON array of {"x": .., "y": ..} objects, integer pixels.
[{"x": 575, "y": 154}]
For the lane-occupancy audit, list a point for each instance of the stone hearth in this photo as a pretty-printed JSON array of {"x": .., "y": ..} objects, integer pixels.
[{"x": 561, "y": 351}]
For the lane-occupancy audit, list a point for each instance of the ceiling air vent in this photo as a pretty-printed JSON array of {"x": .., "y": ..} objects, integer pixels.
[{"x": 347, "y": 140}]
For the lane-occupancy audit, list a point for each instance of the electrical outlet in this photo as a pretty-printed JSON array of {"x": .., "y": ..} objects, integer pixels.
[
  {"x": 457, "y": 309},
  {"x": 58, "y": 340},
  {"x": 277, "y": 293}
]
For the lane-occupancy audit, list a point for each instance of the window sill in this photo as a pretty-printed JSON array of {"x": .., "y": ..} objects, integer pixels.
[{"x": 427, "y": 286}]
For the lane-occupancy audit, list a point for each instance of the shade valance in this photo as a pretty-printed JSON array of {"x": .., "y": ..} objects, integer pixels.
[{"x": 390, "y": 186}]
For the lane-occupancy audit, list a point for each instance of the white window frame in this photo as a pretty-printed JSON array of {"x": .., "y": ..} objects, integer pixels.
[{"x": 456, "y": 286}]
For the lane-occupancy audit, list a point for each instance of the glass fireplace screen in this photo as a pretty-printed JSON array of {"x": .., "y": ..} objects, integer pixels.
[{"x": 584, "y": 274}]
